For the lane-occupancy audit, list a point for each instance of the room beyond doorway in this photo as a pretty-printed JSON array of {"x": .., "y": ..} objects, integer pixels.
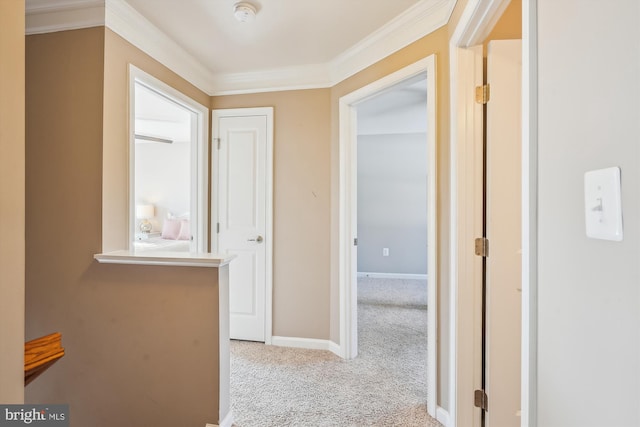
[{"x": 348, "y": 211}]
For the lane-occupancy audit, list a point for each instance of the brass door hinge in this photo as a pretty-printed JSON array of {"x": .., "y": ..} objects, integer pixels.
[
  {"x": 483, "y": 94},
  {"x": 482, "y": 246},
  {"x": 480, "y": 399}
]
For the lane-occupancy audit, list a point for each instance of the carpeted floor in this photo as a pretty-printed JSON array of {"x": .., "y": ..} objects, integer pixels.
[{"x": 384, "y": 386}]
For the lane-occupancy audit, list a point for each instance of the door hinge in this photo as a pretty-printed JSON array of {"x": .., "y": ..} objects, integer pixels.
[
  {"x": 217, "y": 141},
  {"x": 480, "y": 399},
  {"x": 483, "y": 94},
  {"x": 482, "y": 246},
  {"x": 218, "y": 228},
  {"x": 355, "y": 241}
]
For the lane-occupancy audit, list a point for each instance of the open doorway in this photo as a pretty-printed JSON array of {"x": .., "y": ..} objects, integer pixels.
[
  {"x": 349, "y": 104},
  {"x": 392, "y": 222}
]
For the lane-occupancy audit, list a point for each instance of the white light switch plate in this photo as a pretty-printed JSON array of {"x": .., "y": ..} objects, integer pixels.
[{"x": 603, "y": 204}]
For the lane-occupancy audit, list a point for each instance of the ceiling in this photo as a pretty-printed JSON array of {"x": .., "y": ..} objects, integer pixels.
[
  {"x": 284, "y": 33},
  {"x": 291, "y": 44}
]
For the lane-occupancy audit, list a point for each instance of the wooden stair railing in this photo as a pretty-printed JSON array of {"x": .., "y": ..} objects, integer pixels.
[{"x": 41, "y": 353}]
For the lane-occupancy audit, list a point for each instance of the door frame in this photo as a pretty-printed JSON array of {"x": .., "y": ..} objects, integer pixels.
[
  {"x": 215, "y": 180},
  {"x": 348, "y": 208},
  {"x": 198, "y": 158},
  {"x": 476, "y": 21}
]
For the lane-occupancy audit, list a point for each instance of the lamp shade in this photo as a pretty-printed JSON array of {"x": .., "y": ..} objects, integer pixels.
[{"x": 145, "y": 211}]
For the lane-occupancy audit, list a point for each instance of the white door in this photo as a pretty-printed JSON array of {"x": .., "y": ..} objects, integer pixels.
[
  {"x": 243, "y": 215},
  {"x": 504, "y": 140}
]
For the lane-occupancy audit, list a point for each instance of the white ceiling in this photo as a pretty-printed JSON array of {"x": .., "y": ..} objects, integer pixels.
[
  {"x": 292, "y": 44},
  {"x": 285, "y": 33}
]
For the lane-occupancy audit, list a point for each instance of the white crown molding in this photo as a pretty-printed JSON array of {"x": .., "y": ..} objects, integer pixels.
[
  {"x": 127, "y": 22},
  {"x": 291, "y": 78},
  {"x": 418, "y": 21},
  {"x": 63, "y": 15}
]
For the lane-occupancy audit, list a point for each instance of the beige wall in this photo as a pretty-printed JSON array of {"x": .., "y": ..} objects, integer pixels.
[
  {"x": 115, "y": 197},
  {"x": 509, "y": 26},
  {"x": 12, "y": 206},
  {"x": 141, "y": 342},
  {"x": 300, "y": 209}
]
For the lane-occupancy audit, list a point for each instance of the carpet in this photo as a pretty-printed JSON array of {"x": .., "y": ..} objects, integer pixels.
[{"x": 386, "y": 385}]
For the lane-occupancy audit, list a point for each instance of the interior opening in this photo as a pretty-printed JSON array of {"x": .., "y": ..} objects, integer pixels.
[
  {"x": 168, "y": 159},
  {"x": 392, "y": 220}
]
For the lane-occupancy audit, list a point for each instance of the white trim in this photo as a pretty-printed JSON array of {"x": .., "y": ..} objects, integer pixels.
[
  {"x": 529, "y": 213},
  {"x": 393, "y": 275},
  {"x": 308, "y": 343},
  {"x": 227, "y": 421},
  {"x": 479, "y": 18},
  {"x": 442, "y": 416},
  {"x": 63, "y": 16},
  {"x": 127, "y": 22},
  {"x": 418, "y": 21},
  {"x": 200, "y": 156},
  {"x": 423, "y": 18},
  {"x": 476, "y": 22},
  {"x": 268, "y": 236},
  {"x": 177, "y": 259},
  {"x": 348, "y": 204},
  {"x": 290, "y": 78}
]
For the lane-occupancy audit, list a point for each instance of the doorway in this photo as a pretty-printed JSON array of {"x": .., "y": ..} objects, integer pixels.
[
  {"x": 476, "y": 25},
  {"x": 348, "y": 212}
]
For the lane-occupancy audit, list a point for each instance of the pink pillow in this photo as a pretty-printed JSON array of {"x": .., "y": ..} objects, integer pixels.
[
  {"x": 185, "y": 230},
  {"x": 171, "y": 229}
]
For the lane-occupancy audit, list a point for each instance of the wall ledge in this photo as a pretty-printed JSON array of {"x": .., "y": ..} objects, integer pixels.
[{"x": 167, "y": 258}]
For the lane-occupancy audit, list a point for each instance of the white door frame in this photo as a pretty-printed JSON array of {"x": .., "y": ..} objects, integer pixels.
[
  {"x": 215, "y": 180},
  {"x": 348, "y": 220},
  {"x": 478, "y": 18},
  {"x": 199, "y": 153}
]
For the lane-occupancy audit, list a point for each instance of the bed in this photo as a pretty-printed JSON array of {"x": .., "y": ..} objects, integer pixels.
[{"x": 175, "y": 237}]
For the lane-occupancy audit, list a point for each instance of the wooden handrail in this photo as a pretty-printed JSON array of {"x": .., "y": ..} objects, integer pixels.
[{"x": 41, "y": 353}]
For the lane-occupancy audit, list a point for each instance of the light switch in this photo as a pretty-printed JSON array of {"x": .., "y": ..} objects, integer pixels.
[{"x": 603, "y": 204}]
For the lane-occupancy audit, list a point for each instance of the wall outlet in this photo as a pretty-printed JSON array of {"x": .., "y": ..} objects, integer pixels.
[{"x": 385, "y": 251}]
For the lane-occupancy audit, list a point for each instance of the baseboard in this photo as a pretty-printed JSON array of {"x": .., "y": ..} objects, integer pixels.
[
  {"x": 442, "y": 415},
  {"x": 227, "y": 421},
  {"x": 308, "y": 343},
  {"x": 393, "y": 275}
]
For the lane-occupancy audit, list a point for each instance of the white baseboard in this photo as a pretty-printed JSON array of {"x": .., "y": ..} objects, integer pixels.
[
  {"x": 442, "y": 415},
  {"x": 309, "y": 343},
  {"x": 226, "y": 422},
  {"x": 393, "y": 275}
]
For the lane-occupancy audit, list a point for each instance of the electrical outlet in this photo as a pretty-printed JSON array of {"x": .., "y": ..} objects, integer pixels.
[{"x": 385, "y": 251}]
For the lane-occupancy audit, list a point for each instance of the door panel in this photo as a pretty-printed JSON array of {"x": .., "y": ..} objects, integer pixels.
[
  {"x": 242, "y": 219},
  {"x": 503, "y": 195}
]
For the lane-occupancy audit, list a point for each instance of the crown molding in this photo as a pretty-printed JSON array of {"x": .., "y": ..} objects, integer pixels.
[
  {"x": 128, "y": 23},
  {"x": 416, "y": 22},
  {"x": 63, "y": 15},
  {"x": 423, "y": 18},
  {"x": 290, "y": 78}
]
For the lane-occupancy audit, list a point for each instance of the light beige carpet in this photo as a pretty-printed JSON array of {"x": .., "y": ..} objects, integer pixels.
[{"x": 384, "y": 386}]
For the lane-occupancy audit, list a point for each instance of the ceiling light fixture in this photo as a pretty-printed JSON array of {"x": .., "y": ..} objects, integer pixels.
[{"x": 244, "y": 12}]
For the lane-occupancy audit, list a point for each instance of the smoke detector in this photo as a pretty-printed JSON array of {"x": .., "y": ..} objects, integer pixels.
[{"x": 244, "y": 12}]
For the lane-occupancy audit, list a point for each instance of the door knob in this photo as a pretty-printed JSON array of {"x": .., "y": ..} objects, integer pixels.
[{"x": 258, "y": 239}]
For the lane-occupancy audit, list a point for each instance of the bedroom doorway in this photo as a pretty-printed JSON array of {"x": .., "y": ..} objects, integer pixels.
[{"x": 348, "y": 237}]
